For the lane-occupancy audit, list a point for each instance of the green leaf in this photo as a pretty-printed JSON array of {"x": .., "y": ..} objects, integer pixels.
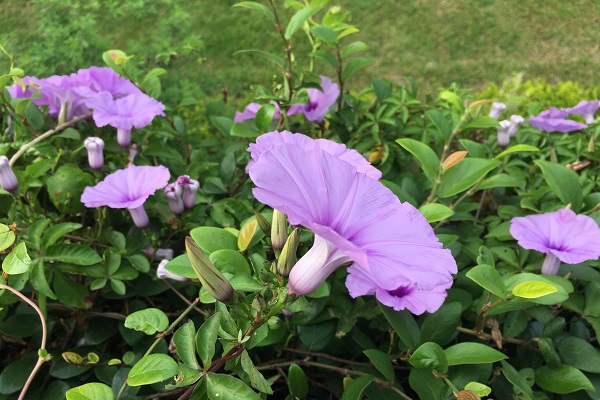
[
  {"x": 77, "y": 254},
  {"x": 181, "y": 266},
  {"x": 533, "y": 290},
  {"x": 513, "y": 376},
  {"x": 275, "y": 59},
  {"x": 149, "y": 321},
  {"x": 55, "y": 232},
  {"x": 297, "y": 381},
  {"x": 353, "y": 48},
  {"x": 472, "y": 353},
  {"x": 440, "y": 326},
  {"x": 245, "y": 129},
  {"x": 206, "y": 339},
  {"x": 7, "y": 237},
  {"x": 441, "y": 123},
  {"x": 464, "y": 175},
  {"x": 427, "y": 385},
  {"x": 488, "y": 278},
  {"x": 257, "y": 7},
  {"x": 382, "y": 362},
  {"x": 264, "y": 116},
  {"x": 481, "y": 122},
  {"x": 17, "y": 261},
  {"x": 429, "y": 161},
  {"x": 327, "y": 56},
  {"x": 222, "y": 124},
  {"x": 563, "y": 182},
  {"x": 317, "y": 336},
  {"x": 519, "y": 148},
  {"x": 70, "y": 293},
  {"x": 434, "y": 212},
  {"x": 500, "y": 180},
  {"x": 355, "y": 65},
  {"x": 118, "y": 286},
  {"x": 325, "y": 33},
  {"x": 151, "y": 369},
  {"x": 14, "y": 375},
  {"x": 230, "y": 261},
  {"x": 66, "y": 186},
  {"x": 185, "y": 342},
  {"x": 153, "y": 73},
  {"x": 139, "y": 262},
  {"x": 211, "y": 239},
  {"x": 562, "y": 380},
  {"x": 430, "y": 355},
  {"x": 91, "y": 391},
  {"x": 299, "y": 19},
  {"x": 404, "y": 325},
  {"x": 34, "y": 116},
  {"x": 257, "y": 380},
  {"x": 225, "y": 387},
  {"x": 479, "y": 388},
  {"x": 355, "y": 389},
  {"x": 34, "y": 233},
  {"x": 38, "y": 279},
  {"x": 579, "y": 353}
]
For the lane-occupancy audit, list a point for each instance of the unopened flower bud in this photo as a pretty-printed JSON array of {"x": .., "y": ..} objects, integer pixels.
[
  {"x": 274, "y": 323},
  {"x": 497, "y": 109},
  {"x": 278, "y": 230},
  {"x": 162, "y": 273},
  {"x": 288, "y": 258},
  {"x": 265, "y": 226},
  {"x": 95, "y": 146},
  {"x": 62, "y": 113},
  {"x": 515, "y": 122},
  {"x": 259, "y": 303},
  {"x": 123, "y": 137},
  {"x": 173, "y": 193},
  {"x": 211, "y": 278},
  {"x": 503, "y": 136},
  {"x": 190, "y": 189},
  {"x": 8, "y": 180}
]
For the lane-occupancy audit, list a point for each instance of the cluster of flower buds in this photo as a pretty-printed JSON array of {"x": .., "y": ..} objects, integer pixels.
[{"x": 182, "y": 194}]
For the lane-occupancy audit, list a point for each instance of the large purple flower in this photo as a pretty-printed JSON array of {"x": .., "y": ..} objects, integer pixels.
[
  {"x": 95, "y": 80},
  {"x": 553, "y": 120},
  {"x": 251, "y": 110},
  {"x": 355, "y": 219},
  {"x": 586, "y": 109},
  {"x": 128, "y": 188},
  {"x": 318, "y": 101},
  {"x": 562, "y": 235}
]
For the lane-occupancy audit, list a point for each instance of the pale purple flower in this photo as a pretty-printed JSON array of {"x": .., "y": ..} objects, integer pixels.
[
  {"x": 251, "y": 110},
  {"x": 161, "y": 254},
  {"x": 515, "y": 122},
  {"x": 94, "y": 147},
  {"x": 173, "y": 193},
  {"x": 8, "y": 180},
  {"x": 273, "y": 139},
  {"x": 355, "y": 219},
  {"x": 319, "y": 101},
  {"x": 190, "y": 190},
  {"x": 586, "y": 109},
  {"x": 503, "y": 135},
  {"x": 553, "y": 120},
  {"x": 124, "y": 113},
  {"x": 162, "y": 273},
  {"x": 95, "y": 80},
  {"x": 128, "y": 188},
  {"x": 497, "y": 109},
  {"x": 562, "y": 235}
]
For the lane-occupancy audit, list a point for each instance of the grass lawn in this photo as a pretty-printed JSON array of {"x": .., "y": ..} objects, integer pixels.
[{"x": 435, "y": 41}]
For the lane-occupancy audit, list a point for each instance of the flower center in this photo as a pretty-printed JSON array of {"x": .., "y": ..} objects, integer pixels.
[{"x": 401, "y": 291}]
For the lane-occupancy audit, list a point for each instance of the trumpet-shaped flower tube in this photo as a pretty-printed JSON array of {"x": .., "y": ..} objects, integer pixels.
[
  {"x": 128, "y": 188},
  {"x": 356, "y": 220},
  {"x": 562, "y": 235}
]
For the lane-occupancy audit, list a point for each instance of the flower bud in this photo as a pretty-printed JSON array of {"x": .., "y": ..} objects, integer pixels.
[
  {"x": 497, "y": 109},
  {"x": 8, "y": 180},
  {"x": 503, "y": 136},
  {"x": 288, "y": 258},
  {"x": 173, "y": 193},
  {"x": 123, "y": 137},
  {"x": 278, "y": 230},
  {"x": 162, "y": 273},
  {"x": 274, "y": 323},
  {"x": 211, "y": 278},
  {"x": 515, "y": 122},
  {"x": 190, "y": 189},
  {"x": 259, "y": 303},
  {"x": 94, "y": 146},
  {"x": 265, "y": 226}
]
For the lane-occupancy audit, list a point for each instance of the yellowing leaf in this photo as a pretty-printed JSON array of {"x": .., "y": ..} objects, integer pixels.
[
  {"x": 533, "y": 289},
  {"x": 454, "y": 159},
  {"x": 246, "y": 234}
]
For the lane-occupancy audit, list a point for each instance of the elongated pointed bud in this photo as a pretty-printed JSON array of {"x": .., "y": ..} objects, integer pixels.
[
  {"x": 8, "y": 180},
  {"x": 211, "y": 278},
  {"x": 62, "y": 113},
  {"x": 288, "y": 257},
  {"x": 278, "y": 230},
  {"x": 265, "y": 226},
  {"x": 95, "y": 146}
]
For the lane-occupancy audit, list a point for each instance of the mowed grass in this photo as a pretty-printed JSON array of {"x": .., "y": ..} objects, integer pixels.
[{"x": 437, "y": 42}]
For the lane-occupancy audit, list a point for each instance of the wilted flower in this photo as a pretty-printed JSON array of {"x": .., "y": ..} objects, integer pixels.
[
  {"x": 128, "y": 188},
  {"x": 8, "y": 180},
  {"x": 355, "y": 219},
  {"x": 94, "y": 147},
  {"x": 562, "y": 235},
  {"x": 587, "y": 109},
  {"x": 553, "y": 120},
  {"x": 190, "y": 190},
  {"x": 503, "y": 135},
  {"x": 497, "y": 109},
  {"x": 319, "y": 101},
  {"x": 162, "y": 273},
  {"x": 173, "y": 193},
  {"x": 251, "y": 110}
]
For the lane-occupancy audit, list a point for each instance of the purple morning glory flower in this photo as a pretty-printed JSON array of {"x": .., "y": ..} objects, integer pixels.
[
  {"x": 497, "y": 109},
  {"x": 8, "y": 180},
  {"x": 355, "y": 219},
  {"x": 319, "y": 101},
  {"x": 562, "y": 235},
  {"x": 587, "y": 109},
  {"x": 95, "y": 80},
  {"x": 251, "y": 110},
  {"x": 128, "y": 188},
  {"x": 553, "y": 120}
]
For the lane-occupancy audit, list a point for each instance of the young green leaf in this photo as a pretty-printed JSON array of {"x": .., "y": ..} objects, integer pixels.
[
  {"x": 149, "y": 321},
  {"x": 430, "y": 355},
  {"x": 151, "y": 369},
  {"x": 225, "y": 387},
  {"x": 299, "y": 19},
  {"x": 17, "y": 261},
  {"x": 7, "y": 237},
  {"x": 90, "y": 391},
  {"x": 429, "y": 161},
  {"x": 563, "y": 182},
  {"x": 206, "y": 339},
  {"x": 472, "y": 353},
  {"x": 519, "y": 148},
  {"x": 435, "y": 212},
  {"x": 355, "y": 65},
  {"x": 264, "y": 116},
  {"x": 185, "y": 343},
  {"x": 533, "y": 290},
  {"x": 488, "y": 278}
]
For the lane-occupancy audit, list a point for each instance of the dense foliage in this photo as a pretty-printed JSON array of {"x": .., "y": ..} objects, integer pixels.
[{"x": 195, "y": 302}]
